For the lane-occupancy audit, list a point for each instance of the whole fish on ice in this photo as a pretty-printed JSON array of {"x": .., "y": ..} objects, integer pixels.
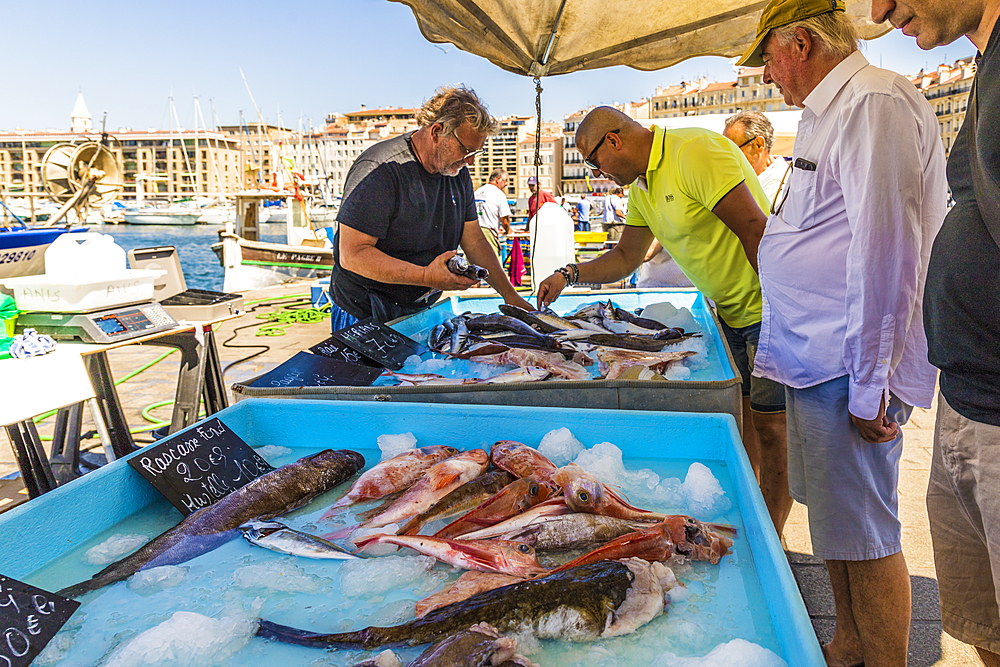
[
  {"x": 604, "y": 599},
  {"x": 279, "y": 537},
  {"x": 266, "y": 497}
]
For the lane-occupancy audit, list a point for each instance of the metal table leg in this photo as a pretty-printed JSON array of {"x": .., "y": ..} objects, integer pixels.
[
  {"x": 31, "y": 458},
  {"x": 99, "y": 371}
]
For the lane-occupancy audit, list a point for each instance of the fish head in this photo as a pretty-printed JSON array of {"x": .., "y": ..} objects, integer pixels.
[
  {"x": 585, "y": 494},
  {"x": 330, "y": 464},
  {"x": 528, "y": 493},
  {"x": 536, "y": 372},
  {"x": 520, "y": 558}
]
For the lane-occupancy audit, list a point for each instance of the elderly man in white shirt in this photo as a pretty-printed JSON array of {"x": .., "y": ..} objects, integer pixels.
[{"x": 842, "y": 267}]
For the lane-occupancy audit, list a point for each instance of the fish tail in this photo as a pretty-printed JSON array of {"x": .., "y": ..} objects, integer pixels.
[
  {"x": 76, "y": 590},
  {"x": 290, "y": 635},
  {"x": 411, "y": 527},
  {"x": 340, "y": 533},
  {"x": 721, "y": 528}
]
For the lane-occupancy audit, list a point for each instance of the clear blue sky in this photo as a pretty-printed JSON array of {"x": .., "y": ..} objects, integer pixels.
[{"x": 303, "y": 59}]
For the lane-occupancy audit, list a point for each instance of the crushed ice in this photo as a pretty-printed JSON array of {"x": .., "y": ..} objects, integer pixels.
[
  {"x": 279, "y": 575},
  {"x": 700, "y": 494},
  {"x": 735, "y": 653},
  {"x": 114, "y": 548},
  {"x": 391, "y": 444},
  {"x": 272, "y": 453},
  {"x": 560, "y": 446},
  {"x": 376, "y": 576},
  {"x": 156, "y": 579},
  {"x": 703, "y": 492},
  {"x": 186, "y": 639}
]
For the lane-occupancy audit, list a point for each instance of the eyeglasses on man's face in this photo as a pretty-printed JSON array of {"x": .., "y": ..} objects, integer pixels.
[
  {"x": 746, "y": 142},
  {"x": 589, "y": 162},
  {"x": 469, "y": 153}
]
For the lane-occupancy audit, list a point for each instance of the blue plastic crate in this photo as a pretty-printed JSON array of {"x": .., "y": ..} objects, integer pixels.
[{"x": 74, "y": 517}]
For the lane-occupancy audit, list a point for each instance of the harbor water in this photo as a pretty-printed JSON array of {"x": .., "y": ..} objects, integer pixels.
[{"x": 201, "y": 266}]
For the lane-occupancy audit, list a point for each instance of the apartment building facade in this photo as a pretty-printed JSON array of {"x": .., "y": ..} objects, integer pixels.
[
  {"x": 947, "y": 89},
  {"x": 701, "y": 97}
]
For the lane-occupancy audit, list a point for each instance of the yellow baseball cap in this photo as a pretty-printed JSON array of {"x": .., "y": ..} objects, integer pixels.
[{"x": 782, "y": 12}]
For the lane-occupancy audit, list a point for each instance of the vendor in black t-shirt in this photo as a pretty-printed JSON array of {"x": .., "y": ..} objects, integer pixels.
[{"x": 408, "y": 204}]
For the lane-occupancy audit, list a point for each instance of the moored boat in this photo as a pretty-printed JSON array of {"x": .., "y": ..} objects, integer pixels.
[
  {"x": 252, "y": 264},
  {"x": 22, "y": 249}
]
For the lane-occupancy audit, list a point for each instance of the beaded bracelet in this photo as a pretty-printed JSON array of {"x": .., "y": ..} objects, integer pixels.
[
  {"x": 576, "y": 272},
  {"x": 564, "y": 272}
]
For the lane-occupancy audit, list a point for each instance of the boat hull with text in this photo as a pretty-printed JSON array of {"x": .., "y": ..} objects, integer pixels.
[{"x": 258, "y": 264}]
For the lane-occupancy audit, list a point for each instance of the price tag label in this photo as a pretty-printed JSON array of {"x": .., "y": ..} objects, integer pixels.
[
  {"x": 29, "y": 619},
  {"x": 313, "y": 370},
  {"x": 379, "y": 342},
  {"x": 203, "y": 464},
  {"x": 334, "y": 349}
]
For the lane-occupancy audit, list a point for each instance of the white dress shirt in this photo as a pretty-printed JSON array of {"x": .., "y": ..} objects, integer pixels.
[
  {"x": 770, "y": 179},
  {"x": 843, "y": 263}
]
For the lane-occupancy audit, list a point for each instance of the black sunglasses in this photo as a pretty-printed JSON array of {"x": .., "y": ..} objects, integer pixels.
[{"x": 589, "y": 162}]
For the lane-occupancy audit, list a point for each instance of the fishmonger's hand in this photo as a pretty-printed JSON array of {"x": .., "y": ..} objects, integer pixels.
[
  {"x": 550, "y": 289},
  {"x": 439, "y": 276}
]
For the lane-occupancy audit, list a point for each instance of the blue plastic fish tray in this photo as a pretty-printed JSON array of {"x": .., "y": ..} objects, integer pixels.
[
  {"x": 713, "y": 387},
  {"x": 750, "y": 595}
]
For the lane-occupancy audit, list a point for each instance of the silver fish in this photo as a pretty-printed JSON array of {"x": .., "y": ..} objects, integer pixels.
[{"x": 279, "y": 537}]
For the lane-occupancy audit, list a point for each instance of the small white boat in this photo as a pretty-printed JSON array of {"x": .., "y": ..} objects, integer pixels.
[
  {"x": 162, "y": 215},
  {"x": 217, "y": 214}
]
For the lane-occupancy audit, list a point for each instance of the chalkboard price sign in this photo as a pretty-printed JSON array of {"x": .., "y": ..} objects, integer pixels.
[
  {"x": 29, "y": 619},
  {"x": 379, "y": 342},
  {"x": 312, "y": 370},
  {"x": 334, "y": 349},
  {"x": 203, "y": 464}
]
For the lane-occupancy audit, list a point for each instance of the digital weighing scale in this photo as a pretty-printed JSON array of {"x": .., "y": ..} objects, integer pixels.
[
  {"x": 170, "y": 290},
  {"x": 103, "y": 326}
]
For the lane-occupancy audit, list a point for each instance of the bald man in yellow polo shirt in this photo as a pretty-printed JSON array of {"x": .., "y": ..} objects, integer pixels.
[{"x": 693, "y": 191}]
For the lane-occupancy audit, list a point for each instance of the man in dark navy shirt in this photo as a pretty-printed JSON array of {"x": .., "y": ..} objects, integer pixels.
[
  {"x": 962, "y": 321},
  {"x": 408, "y": 204}
]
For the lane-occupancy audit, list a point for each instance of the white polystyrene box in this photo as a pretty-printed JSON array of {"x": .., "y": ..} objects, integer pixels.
[{"x": 48, "y": 293}]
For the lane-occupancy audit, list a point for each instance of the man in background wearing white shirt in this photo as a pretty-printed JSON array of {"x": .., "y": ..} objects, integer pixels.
[
  {"x": 493, "y": 208},
  {"x": 842, "y": 268},
  {"x": 614, "y": 214},
  {"x": 753, "y": 134}
]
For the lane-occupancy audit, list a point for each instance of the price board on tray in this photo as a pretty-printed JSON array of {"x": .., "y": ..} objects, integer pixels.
[
  {"x": 379, "y": 342},
  {"x": 199, "y": 466},
  {"x": 313, "y": 370},
  {"x": 334, "y": 349},
  {"x": 29, "y": 618}
]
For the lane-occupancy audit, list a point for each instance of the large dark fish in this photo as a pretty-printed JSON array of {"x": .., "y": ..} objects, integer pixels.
[
  {"x": 575, "y": 605},
  {"x": 266, "y": 497},
  {"x": 479, "y": 646},
  {"x": 496, "y": 322}
]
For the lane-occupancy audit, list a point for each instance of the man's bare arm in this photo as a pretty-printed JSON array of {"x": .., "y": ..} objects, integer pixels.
[
  {"x": 613, "y": 265},
  {"x": 739, "y": 211},
  {"x": 478, "y": 250},
  {"x": 359, "y": 254}
]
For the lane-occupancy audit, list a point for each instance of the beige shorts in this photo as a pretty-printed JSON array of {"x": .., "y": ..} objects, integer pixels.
[
  {"x": 963, "y": 503},
  {"x": 492, "y": 239}
]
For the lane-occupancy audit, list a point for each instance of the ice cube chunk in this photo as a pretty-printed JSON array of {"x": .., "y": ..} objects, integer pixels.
[
  {"x": 560, "y": 446},
  {"x": 186, "y": 639},
  {"x": 376, "y": 576},
  {"x": 114, "y": 548},
  {"x": 735, "y": 653},
  {"x": 278, "y": 575},
  {"x": 156, "y": 579},
  {"x": 703, "y": 493},
  {"x": 391, "y": 444},
  {"x": 271, "y": 453}
]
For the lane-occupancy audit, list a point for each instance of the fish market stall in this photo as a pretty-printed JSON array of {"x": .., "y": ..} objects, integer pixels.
[
  {"x": 705, "y": 382},
  {"x": 207, "y": 610}
]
